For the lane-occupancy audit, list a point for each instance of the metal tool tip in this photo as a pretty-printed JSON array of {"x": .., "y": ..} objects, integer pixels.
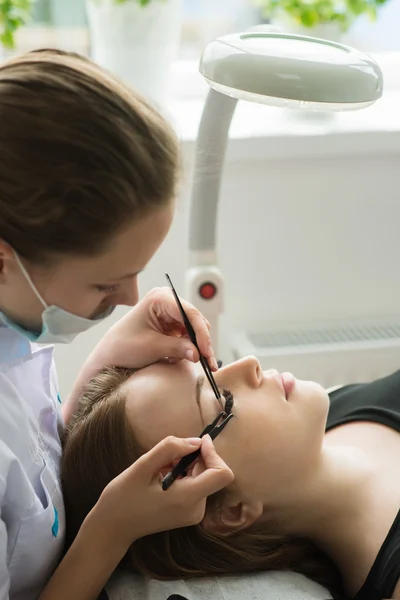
[{"x": 167, "y": 481}]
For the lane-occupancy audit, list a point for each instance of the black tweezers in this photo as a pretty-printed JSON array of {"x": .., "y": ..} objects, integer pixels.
[
  {"x": 213, "y": 431},
  {"x": 192, "y": 335}
]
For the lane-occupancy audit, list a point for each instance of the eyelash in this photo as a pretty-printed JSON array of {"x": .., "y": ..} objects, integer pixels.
[
  {"x": 106, "y": 289},
  {"x": 228, "y": 401}
]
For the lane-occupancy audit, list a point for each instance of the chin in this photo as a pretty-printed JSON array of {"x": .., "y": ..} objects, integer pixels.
[
  {"x": 313, "y": 393},
  {"x": 312, "y": 386}
]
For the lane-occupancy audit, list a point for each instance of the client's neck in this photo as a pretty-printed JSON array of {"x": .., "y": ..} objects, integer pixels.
[
  {"x": 330, "y": 506},
  {"x": 331, "y": 492}
]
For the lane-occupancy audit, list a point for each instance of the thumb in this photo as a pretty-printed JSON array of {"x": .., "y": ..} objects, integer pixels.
[
  {"x": 211, "y": 458},
  {"x": 166, "y": 452},
  {"x": 179, "y": 348},
  {"x": 215, "y": 476}
]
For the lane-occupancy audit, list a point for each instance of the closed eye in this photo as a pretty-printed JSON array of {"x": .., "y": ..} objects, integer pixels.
[{"x": 107, "y": 289}]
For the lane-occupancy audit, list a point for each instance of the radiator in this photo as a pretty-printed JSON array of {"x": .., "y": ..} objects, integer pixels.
[{"x": 331, "y": 353}]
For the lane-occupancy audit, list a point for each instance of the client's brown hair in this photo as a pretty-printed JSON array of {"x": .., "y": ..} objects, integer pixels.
[{"x": 99, "y": 444}]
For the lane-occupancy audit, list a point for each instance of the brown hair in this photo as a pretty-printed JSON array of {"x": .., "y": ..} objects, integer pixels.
[
  {"x": 80, "y": 155},
  {"x": 99, "y": 444}
]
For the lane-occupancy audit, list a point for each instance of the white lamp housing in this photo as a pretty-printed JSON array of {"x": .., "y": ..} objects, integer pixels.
[
  {"x": 291, "y": 70},
  {"x": 272, "y": 68}
]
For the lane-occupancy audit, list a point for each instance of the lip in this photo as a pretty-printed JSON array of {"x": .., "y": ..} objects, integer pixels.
[{"x": 288, "y": 383}]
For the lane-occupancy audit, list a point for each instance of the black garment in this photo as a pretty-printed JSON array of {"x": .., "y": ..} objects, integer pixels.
[{"x": 377, "y": 402}]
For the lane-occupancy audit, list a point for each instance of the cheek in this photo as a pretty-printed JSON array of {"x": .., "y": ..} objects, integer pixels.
[
  {"x": 273, "y": 442},
  {"x": 74, "y": 298},
  {"x": 250, "y": 445}
]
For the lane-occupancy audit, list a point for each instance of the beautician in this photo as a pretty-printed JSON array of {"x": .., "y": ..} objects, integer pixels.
[{"x": 88, "y": 180}]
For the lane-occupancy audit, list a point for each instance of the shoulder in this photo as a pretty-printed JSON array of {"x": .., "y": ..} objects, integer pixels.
[
  {"x": 27, "y": 394},
  {"x": 13, "y": 346},
  {"x": 377, "y": 401}
]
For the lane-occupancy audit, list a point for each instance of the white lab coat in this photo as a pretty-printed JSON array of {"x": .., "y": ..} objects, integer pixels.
[{"x": 32, "y": 518}]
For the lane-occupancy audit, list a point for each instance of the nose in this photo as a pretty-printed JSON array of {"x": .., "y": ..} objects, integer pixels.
[
  {"x": 246, "y": 370},
  {"x": 128, "y": 295}
]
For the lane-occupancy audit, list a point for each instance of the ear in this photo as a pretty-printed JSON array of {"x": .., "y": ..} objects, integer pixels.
[
  {"x": 5, "y": 249},
  {"x": 232, "y": 515}
]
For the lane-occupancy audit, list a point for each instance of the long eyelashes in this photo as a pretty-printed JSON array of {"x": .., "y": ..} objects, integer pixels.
[{"x": 228, "y": 401}]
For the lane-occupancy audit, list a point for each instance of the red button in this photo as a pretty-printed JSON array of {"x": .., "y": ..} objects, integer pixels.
[{"x": 207, "y": 291}]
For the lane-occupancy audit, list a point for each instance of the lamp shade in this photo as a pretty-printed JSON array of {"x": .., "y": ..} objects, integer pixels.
[{"x": 291, "y": 70}]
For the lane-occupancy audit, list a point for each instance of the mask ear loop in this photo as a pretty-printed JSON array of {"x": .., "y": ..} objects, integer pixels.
[{"x": 29, "y": 280}]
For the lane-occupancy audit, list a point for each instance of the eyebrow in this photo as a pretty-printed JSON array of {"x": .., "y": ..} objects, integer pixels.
[
  {"x": 127, "y": 276},
  {"x": 199, "y": 387}
]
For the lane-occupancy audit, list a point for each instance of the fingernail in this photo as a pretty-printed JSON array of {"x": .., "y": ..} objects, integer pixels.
[
  {"x": 189, "y": 355},
  {"x": 214, "y": 364},
  {"x": 194, "y": 441}
]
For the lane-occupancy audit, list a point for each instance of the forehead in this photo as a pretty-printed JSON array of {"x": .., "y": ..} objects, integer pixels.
[
  {"x": 129, "y": 250},
  {"x": 161, "y": 401}
]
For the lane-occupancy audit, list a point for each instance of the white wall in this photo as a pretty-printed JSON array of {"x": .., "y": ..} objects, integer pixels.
[
  {"x": 298, "y": 239},
  {"x": 380, "y": 35}
]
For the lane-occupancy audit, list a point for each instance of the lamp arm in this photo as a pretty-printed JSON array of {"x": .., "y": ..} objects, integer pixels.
[{"x": 210, "y": 155}]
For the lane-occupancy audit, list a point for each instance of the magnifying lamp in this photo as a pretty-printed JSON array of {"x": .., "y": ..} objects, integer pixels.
[{"x": 273, "y": 68}]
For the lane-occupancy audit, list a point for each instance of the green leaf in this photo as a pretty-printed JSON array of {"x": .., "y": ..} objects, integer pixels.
[
  {"x": 310, "y": 13},
  {"x": 13, "y": 14},
  {"x": 7, "y": 39}
]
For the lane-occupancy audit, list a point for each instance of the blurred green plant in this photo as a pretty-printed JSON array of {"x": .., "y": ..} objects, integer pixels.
[
  {"x": 140, "y": 2},
  {"x": 310, "y": 13},
  {"x": 16, "y": 13},
  {"x": 13, "y": 14}
]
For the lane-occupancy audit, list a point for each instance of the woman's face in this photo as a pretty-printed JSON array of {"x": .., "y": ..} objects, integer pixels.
[
  {"x": 85, "y": 286},
  {"x": 275, "y": 438}
]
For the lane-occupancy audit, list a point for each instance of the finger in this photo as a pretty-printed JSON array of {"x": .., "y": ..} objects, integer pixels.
[
  {"x": 166, "y": 308},
  {"x": 166, "y": 452},
  {"x": 171, "y": 347},
  {"x": 179, "y": 348},
  {"x": 202, "y": 330},
  {"x": 210, "y": 456},
  {"x": 208, "y": 483},
  {"x": 215, "y": 477},
  {"x": 173, "y": 361},
  {"x": 198, "y": 468}
]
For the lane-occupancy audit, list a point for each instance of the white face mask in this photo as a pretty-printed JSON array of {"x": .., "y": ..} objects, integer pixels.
[{"x": 58, "y": 325}]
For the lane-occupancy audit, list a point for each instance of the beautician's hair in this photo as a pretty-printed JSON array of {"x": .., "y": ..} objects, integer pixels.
[
  {"x": 99, "y": 444},
  {"x": 81, "y": 156}
]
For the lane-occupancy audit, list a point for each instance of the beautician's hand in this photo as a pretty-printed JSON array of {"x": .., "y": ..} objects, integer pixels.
[
  {"x": 134, "y": 505},
  {"x": 153, "y": 330}
]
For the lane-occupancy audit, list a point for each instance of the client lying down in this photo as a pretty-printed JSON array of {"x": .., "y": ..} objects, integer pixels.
[{"x": 317, "y": 476}]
